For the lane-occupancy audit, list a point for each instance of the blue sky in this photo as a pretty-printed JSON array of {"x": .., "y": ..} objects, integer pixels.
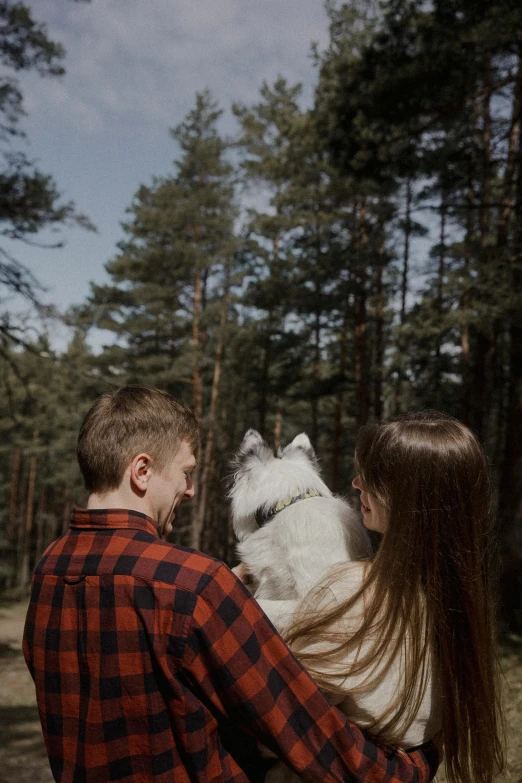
[{"x": 132, "y": 70}]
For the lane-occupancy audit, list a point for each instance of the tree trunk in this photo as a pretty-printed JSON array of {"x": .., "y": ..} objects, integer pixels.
[
  {"x": 12, "y": 529},
  {"x": 379, "y": 343},
  {"x": 509, "y": 172},
  {"x": 277, "y": 239},
  {"x": 66, "y": 511},
  {"x": 406, "y": 251},
  {"x": 505, "y": 213},
  {"x": 263, "y": 391},
  {"x": 464, "y": 304},
  {"x": 404, "y": 294},
  {"x": 484, "y": 348},
  {"x": 23, "y": 575},
  {"x": 13, "y": 495},
  {"x": 278, "y": 426},
  {"x": 49, "y": 521},
  {"x": 197, "y": 385},
  {"x": 336, "y": 454},
  {"x": 510, "y": 503},
  {"x": 316, "y": 378},
  {"x": 360, "y": 331},
  {"x": 361, "y": 385},
  {"x": 206, "y": 472},
  {"x": 40, "y": 531},
  {"x": 439, "y": 302},
  {"x": 464, "y": 344},
  {"x": 262, "y": 407}
]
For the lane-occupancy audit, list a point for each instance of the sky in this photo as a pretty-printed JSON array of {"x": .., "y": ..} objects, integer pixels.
[{"x": 132, "y": 70}]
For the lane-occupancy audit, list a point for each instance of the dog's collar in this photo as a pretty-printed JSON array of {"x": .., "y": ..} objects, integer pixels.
[{"x": 263, "y": 516}]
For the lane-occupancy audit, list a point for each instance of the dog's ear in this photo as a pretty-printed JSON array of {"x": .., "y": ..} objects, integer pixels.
[
  {"x": 252, "y": 441},
  {"x": 253, "y": 445},
  {"x": 302, "y": 442}
]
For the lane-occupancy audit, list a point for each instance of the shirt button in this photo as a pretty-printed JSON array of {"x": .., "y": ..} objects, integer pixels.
[{"x": 73, "y": 580}]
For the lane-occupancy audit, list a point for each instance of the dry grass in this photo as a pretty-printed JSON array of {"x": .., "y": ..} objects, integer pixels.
[{"x": 22, "y": 753}]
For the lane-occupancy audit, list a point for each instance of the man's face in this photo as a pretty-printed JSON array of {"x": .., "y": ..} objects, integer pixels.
[{"x": 169, "y": 487}]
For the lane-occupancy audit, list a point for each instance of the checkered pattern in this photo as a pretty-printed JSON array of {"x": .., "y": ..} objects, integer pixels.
[{"x": 152, "y": 662}]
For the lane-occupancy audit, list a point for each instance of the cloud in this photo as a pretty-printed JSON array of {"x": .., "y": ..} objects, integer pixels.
[
  {"x": 132, "y": 68},
  {"x": 141, "y": 62}
]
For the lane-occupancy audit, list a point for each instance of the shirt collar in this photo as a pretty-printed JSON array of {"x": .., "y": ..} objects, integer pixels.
[{"x": 103, "y": 518}]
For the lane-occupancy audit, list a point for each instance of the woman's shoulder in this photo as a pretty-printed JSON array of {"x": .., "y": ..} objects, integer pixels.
[
  {"x": 346, "y": 579},
  {"x": 342, "y": 582}
]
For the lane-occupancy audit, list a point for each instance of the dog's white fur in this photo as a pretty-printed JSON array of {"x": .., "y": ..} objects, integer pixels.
[{"x": 292, "y": 551}]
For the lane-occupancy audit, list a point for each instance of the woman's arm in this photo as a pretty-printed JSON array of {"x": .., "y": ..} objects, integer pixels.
[{"x": 280, "y": 613}]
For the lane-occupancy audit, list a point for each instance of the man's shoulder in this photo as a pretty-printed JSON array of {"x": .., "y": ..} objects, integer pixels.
[
  {"x": 129, "y": 553},
  {"x": 170, "y": 564},
  {"x": 205, "y": 577},
  {"x": 176, "y": 565}
]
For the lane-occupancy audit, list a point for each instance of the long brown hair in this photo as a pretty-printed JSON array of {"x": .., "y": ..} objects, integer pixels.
[{"x": 427, "y": 594}]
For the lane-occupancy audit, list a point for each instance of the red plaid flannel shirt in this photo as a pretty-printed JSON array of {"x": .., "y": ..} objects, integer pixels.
[{"x": 153, "y": 662}]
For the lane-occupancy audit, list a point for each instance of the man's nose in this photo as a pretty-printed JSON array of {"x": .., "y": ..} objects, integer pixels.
[{"x": 189, "y": 492}]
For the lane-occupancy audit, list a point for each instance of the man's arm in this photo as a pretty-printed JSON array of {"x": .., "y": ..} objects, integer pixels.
[{"x": 248, "y": 673}]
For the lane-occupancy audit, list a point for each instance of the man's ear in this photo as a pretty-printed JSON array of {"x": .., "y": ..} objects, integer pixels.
[{"x": 140, "y": 472}]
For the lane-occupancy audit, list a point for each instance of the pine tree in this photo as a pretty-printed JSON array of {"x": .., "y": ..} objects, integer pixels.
[
  {"x": 172, "y": 280},
  {"x": 29, "y": 199},
  {"x": 450, "y": 63},
  {"x": 41, "y": 410}
]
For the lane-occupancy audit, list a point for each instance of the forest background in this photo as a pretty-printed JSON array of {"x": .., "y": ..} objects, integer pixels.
[{"x": 323, "y": 267}]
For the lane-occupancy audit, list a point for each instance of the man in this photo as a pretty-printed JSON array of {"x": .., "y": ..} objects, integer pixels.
[{"x": 152, "y": 661}]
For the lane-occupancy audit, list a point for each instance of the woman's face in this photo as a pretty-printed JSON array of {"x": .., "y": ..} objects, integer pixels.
[{"x": 375, "y": 516}]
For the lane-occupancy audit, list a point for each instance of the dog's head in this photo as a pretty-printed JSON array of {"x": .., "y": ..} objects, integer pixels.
[{"x": 262, "y": 479}]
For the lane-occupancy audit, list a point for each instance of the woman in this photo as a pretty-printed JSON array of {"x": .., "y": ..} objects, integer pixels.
[{"x": 406, "y": 643}]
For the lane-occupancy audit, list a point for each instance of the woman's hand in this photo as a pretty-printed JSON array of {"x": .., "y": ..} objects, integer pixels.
[{"x": 241, "y": 572}]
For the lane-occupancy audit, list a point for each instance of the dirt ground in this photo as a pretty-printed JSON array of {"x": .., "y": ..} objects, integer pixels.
[
  {"x": 22, "y": 752},
  {"x": 512, "y": 668}
]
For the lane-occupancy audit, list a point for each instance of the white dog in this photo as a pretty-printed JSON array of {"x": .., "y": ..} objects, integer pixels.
[{"x": 290, "y": 528}]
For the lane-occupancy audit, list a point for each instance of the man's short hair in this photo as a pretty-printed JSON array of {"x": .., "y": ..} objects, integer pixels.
[{"x": 126, "y": 422}]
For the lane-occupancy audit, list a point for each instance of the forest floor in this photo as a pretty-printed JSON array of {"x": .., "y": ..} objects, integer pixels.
[{"x": 22, "y": 751}]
